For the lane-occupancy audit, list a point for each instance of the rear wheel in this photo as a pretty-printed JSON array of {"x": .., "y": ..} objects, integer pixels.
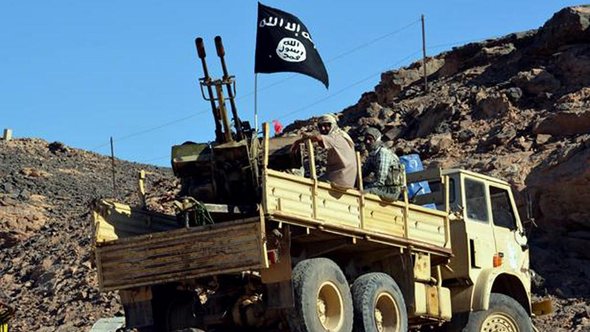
[
  {"x": 322, "y": 298},
  {"x": 504, "y": 314},
  {"x": 378, "y": 304}
]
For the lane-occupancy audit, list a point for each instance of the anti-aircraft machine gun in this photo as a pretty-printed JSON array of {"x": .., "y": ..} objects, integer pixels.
[{"x": 226, "y": 170}]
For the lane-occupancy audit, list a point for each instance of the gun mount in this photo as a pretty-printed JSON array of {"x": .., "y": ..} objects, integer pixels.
[{"x": 225, "y": 171}]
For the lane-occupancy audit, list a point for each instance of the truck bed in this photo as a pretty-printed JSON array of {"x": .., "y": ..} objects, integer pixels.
[
  {"x": 170, "y": 253},
  {"x": 135, "y": 247}
]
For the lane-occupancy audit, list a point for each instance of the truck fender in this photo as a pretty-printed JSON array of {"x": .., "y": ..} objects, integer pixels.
[{"x": 499, "y": 281}]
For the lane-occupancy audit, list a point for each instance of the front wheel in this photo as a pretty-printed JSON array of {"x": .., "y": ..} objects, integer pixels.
[
  {"x": 323, "y": 302},
  {"x": 504, "y": 314},
  {"x": 378, "y": 304}
]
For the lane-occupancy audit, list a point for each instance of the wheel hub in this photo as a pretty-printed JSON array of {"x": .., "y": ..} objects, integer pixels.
[
  {"x": 387, "y": 314},
  {"x": 499, "y": 323},
  {"x": 379, "y": 320},
  {"x": 329, "y": 306}
]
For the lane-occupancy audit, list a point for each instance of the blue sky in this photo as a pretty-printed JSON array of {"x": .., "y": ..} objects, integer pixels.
[{"x": 80, "y": 72}]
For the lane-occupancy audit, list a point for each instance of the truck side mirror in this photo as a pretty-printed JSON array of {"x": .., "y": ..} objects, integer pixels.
[{"x": 529, "y": 221}]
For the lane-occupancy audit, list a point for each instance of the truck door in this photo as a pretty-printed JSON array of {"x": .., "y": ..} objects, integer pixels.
[
  {"x": 480, "y": 244},
  {"x": 510, "y": 241}
]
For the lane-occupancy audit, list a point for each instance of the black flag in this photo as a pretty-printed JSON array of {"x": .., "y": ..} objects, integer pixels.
[{"x": 283, "y": 43}]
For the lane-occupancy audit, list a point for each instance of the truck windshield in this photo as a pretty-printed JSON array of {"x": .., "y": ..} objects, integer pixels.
[{"x": 476, "y": 201}]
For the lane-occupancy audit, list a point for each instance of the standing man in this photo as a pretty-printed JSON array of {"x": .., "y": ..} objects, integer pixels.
[
  {"x": 385, "y": 167},
  {"x": 341, "y": 159}
]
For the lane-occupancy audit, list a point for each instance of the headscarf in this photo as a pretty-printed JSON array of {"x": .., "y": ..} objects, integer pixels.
[
  {"x": 376, "y": 134},
  {"x": 334, "y": 129},
  {"x": 373, "y": 132},
  {"x": 331, "y": 119}
]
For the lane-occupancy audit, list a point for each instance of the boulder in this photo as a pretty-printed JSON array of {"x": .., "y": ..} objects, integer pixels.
[
  {"x": 374, "y": 110},
  {"x": 430, "y": 120},
  {"x": 440, "y": 143},
  {"x": 567, "y": 26},
  {"x": 393, "y": 82},
  {"x": 499, "y": 136},
  {"x": 523, "y": 143},
  {"x": 574, "y": 65},
  {"x": 565, "y": 123},
  {"x": 499, "y": 50},
  {"x": 57, "y": 147},
  {"x": 465, "y": 135},
  {"x": 541, "y": 139},
  {"x": 34, "y": 172},
  {"x": 536, "y": 81},
  {"x": 514, "y": 94},
  {"x": 489, "y": 106},
  {"x": 562, "y": 189}
]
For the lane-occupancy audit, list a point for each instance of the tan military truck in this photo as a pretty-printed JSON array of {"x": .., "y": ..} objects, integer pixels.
[
  {"x": 325, "y": 259},
  {"x": 255, "y": 247}
]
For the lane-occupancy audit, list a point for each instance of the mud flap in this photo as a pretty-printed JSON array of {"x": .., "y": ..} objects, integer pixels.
[
  {"x": 280, "y": 295},
  {"x": 137, "y": 303},
  {"x": 543, "y": 307}
]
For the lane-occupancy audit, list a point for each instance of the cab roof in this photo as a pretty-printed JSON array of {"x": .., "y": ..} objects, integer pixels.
[{"x": 452, "y": 171}]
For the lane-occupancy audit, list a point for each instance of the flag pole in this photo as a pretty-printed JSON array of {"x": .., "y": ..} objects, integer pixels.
[{"x": 256, "y": 103}]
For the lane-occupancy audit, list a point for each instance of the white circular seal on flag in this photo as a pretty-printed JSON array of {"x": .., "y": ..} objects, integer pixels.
[{"x": 291, "y": 50}]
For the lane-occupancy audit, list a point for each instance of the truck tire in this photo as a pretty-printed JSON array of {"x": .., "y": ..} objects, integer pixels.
[
  {"x": 378, "y": 304},
  {"x": 504, "y": 314},
  {"x": 322, "y": 298}
]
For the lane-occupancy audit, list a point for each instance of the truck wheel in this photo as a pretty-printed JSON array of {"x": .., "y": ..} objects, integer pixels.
[
  {"x": 378, "y": 304},
  {"x": 504, "y": 314},
  {"x": 322, "y": 298}
]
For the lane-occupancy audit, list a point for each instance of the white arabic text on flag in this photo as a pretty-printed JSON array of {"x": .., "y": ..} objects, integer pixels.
[{"x": 284, "y": 44}]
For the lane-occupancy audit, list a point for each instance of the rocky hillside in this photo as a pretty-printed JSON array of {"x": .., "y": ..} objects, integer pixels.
[
  {"x": 46, "y": 190},
  {"x": 517, "y": 108}
]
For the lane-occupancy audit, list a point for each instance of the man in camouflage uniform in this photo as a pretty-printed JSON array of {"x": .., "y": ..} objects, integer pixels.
[{"x": 385, "y": 167}]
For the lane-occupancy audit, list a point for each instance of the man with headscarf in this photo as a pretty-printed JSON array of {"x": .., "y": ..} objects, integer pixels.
[
  {"x": 385, "y": 167},
  {"x": 341, "y": 159}
]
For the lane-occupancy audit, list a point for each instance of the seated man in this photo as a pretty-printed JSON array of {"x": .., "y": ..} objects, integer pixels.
[
  {"x": 341, "y": 160},
  {"x": 384, "y": 166}
]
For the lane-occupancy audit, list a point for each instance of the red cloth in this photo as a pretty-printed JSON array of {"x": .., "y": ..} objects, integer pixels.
[{"x": 277, "y": 126}]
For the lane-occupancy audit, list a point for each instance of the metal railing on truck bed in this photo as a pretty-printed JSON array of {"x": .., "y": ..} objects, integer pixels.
[{"x": 308, "y": 202}]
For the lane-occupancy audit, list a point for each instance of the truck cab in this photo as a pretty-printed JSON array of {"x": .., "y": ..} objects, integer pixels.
[{"x": 491, "y": 254}]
